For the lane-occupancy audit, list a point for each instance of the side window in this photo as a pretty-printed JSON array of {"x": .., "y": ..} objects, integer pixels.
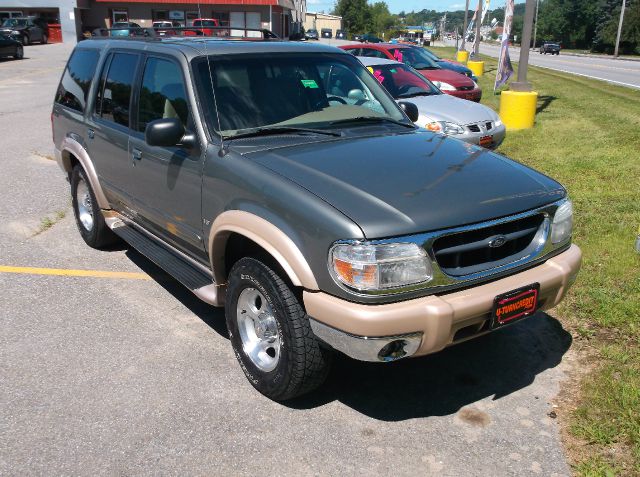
[
  {"x": 354, "y": 51},
  {"x": 370, "y": 52},
  {"x": 76, "y": 81},
  {"x": 163, "y": 93},
  {"x": 115, "y": 95}
]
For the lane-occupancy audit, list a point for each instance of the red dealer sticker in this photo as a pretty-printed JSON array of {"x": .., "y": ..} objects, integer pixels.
[{"x": 515, "y": 305}]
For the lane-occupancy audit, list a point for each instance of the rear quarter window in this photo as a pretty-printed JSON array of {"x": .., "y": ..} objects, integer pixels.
[{"x": 76, "y": 80}]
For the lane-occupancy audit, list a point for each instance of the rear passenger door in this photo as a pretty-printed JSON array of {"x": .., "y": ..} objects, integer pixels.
[
  {"x": 109, "y": 129},
  {"x": 168, "y": 180}
]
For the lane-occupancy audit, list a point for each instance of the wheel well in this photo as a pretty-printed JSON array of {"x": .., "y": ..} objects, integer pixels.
[
  {"x": 238, "y": 246},
  {"x": 71, "y": 160}
]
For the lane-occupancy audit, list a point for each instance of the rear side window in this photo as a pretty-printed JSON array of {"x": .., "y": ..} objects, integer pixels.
[
  {"x": 370, "y": 52},
  {"x": 163, "y": 94},
  {"x": 114, "y": 99},
  {"x": 76, "y": 81}
]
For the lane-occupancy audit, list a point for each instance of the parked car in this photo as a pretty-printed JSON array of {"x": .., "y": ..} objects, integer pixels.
[
  {"x": 447, "y": 81},
  {"x": 166, "y": 28},
  {"x": 326, "y": 33},
  {"x": 204, "y": 26},
  {"x": 24, "y": 29},
  {"x": 312, "y": 34},
  {"x": 341, "y": 35},
  {"x": 10, "y": 47},
  {"x": 305, "y": 201},
  {"x": 126, "y": 29},
  {"x": 369, "y": 38},
  {"x": 549, "y": 47},
  {"x": 451, "y": 65},
  {"x": 438, "y": 112}
]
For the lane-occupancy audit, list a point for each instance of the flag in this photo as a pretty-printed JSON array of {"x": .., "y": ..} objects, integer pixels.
[{"x": 505, "y": 70}]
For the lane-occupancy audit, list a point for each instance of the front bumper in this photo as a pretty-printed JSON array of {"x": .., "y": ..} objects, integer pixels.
[
  {"x": 497, "y": 134},
  {"x": 428, "y": 324},
  {"x": 471, "y": 94}
]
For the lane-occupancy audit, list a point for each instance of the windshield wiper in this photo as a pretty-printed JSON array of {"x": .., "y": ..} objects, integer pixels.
[
  {"x": 371, "y": 119},
  {"x": 273, "y": 130},
  {"x": 412, "y": 95}
]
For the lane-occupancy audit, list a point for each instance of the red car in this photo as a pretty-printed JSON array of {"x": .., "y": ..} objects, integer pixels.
[
  {"x": 447, "y": 81},
  {"x": 201, "y": 24}
]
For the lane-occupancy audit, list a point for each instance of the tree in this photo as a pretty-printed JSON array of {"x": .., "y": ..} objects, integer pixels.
[
  {"x": 381, "y": 19},
  {"x": 356, "y": 15}
]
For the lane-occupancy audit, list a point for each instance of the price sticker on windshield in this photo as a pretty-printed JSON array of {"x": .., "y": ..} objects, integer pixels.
[{"x": 309, "y": 84}]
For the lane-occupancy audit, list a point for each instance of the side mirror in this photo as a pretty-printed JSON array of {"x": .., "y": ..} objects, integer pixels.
[
  {"x": 167, "y": 132},
  {"x": 410, "y": 109}
]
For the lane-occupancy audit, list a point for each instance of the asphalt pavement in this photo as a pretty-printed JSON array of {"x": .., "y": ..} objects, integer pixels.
[
  {"x": 618, "y": 71},
  {"x": 131, "y": 374}
]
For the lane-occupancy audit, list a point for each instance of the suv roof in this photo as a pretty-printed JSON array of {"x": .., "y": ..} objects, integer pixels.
[{"x": 192, "y": 47}]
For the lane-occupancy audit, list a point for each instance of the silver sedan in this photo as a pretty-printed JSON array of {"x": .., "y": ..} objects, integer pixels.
[{"x": 466, "y": 120}]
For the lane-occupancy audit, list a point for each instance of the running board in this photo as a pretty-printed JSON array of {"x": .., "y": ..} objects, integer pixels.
[{"x": 197, "y": 281}]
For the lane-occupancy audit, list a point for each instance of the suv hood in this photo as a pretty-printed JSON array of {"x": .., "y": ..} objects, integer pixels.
[{"x": 410, "y": 183}]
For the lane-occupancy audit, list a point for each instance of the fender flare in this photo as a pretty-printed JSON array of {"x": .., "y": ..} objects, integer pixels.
[
  {"x": 266, "y": 235},
  {"x": 71, "y": 146}
]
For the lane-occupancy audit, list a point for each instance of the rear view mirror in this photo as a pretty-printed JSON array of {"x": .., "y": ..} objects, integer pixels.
[
  {"x": 167, "y": 132},
  {"x": 410, "y": 109}
]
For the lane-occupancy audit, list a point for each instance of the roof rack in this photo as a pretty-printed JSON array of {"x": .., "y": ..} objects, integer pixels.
[{"x": 161, "y": 33}]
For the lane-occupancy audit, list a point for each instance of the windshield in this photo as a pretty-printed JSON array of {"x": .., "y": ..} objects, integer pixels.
[
  {"x": 414, "y": 57},
  {"x": 120, "y": 25},
  {"x": 431, "y": 55},
  {"x": 402, "y": 81},
  {"x": 292, "y": 90},
  {"x": 14, "y": 22}
]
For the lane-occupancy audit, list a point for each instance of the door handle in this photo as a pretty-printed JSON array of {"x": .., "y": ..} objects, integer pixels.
[
  {"x": 91, "y": 133},
  {"x": 136, "y": 154}
]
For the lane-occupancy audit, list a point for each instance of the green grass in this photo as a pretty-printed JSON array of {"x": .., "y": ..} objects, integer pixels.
[
  {"x": 587, "y": 136},
  {"x": 47, "y": 222}
]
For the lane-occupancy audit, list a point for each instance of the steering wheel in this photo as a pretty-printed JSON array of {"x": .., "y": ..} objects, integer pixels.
[{"x": 336, "y": 98}]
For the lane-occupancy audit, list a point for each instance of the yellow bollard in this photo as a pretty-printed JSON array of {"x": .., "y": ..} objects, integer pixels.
[
  {"x": 462, "y": 56},
  {"x": 476, "y": 66},
  {"x": 518, "y": 109}
]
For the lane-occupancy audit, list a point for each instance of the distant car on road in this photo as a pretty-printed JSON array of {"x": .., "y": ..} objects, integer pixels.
[
  {"x": 312, "y": 34},
  {"x": 447, "y": 81},
  {"x": 341, "y": 35},
  {"x": 369, "y": 38},
  {"x": 10, "y": 47},
  {"x": 471, "y": 122},
  {"x": 326, "y": 33},
  {"x": 24, "y": 29},
  {"x": 549, "y": 47}
]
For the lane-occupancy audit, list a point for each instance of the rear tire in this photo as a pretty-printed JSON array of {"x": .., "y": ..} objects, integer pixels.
[
  {"x": 45, "y": 39},
  {"x": 270, "y": 333},
  {"x": 19, "y": 52},
  {"x": 25, "y": 40},
  {"x": 89, "y": 218}
]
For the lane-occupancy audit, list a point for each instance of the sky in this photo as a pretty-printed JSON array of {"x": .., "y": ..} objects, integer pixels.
[{"x": 396, "y": 6}]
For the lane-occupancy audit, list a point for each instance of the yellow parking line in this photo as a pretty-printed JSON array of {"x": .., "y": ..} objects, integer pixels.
[{"x": 66, "y": 272}]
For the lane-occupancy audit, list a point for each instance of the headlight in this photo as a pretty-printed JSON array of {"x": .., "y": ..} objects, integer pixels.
[
  {"x": 475, "y": 85},
  {"x": 562, "y": 223},
  {"x": 444, "y": 86},
  {"x": 444, "y": 127},
  {"x": 365, "y": 266},
  {"x": 497, "y": 123},
  {"x": 15, "y": 32}
]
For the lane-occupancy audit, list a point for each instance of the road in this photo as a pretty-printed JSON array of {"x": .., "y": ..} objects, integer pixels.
[
  {"x": 130, "y": 374},
  {"x": 621, "y": 72}
]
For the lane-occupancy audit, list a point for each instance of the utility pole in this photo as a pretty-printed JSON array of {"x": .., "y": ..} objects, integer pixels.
[
  {"x": 535, "y": 26},
  {"x": 476, "y": 43},
  {"x": 465, "y": 26},
  {"x": 615, "y": 53},
  {"x": 525, "y": 44}
]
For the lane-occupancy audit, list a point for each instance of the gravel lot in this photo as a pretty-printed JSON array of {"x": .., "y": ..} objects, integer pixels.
[{"x": 121, "y": 376}]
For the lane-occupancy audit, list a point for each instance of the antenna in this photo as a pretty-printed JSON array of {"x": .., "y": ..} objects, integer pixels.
[{"x": 222, "y": 151}]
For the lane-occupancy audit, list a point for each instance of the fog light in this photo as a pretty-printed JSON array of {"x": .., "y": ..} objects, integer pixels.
[{"x": 393, "y": 350}]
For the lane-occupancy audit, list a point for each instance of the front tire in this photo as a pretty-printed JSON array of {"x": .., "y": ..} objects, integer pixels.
[
  {"x": 25, "y": 40},
  {"x": 89, "y": 218},
  {"x": 271, "y": 335},
  {"x": 45, "y": 39},
  {"x": 19, "y": 53}
]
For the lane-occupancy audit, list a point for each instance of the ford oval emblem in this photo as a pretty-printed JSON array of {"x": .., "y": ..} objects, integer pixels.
[{"x": 497, "y": 241}]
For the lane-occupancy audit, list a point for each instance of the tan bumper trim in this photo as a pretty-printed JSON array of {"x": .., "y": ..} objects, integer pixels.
[{"x": 439, "y": 317}]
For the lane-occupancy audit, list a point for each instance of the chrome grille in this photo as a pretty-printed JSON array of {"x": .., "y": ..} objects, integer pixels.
[
  {"x": 476, "y": 250},
  {"x": 488, "y": 125},
  {"x": 474, "y": 128}
]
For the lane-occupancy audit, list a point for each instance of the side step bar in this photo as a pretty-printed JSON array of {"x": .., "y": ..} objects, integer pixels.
[{"x": 200, "y": 283}]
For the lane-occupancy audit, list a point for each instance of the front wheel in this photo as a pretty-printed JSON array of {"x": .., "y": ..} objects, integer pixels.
[
  {"x": 271, "y": 335},
  {"x": 45, "y": 39},
  {"x": 89, "y": 218},
  {"x": 25, "y": 40},
  {"x": 19, "y": 52}
]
